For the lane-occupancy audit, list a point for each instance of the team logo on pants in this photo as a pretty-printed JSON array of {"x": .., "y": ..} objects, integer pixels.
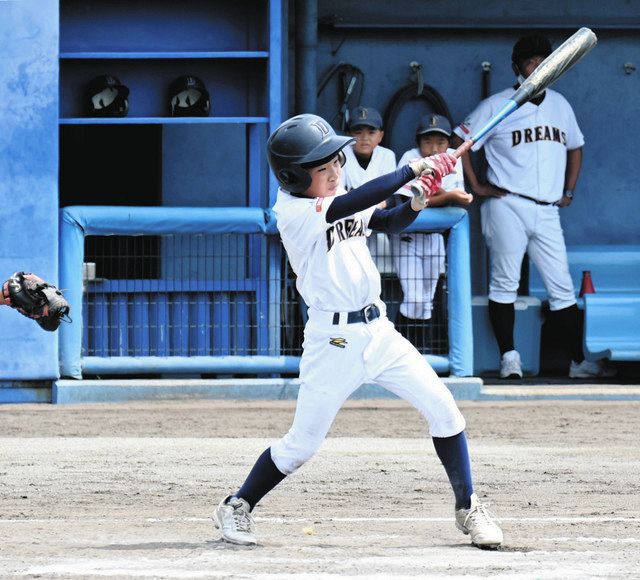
[{"x": 338, "y": 341}]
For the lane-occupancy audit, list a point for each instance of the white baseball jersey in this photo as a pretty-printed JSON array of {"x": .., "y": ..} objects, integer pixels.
[
  {"x": 527, "y": 152},
  {"x": 332, "y": 262},
  {"x": 420, "y": 258},
  {"x": 382, "y": 161}
]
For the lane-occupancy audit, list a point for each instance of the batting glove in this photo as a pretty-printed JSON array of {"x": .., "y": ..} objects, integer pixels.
[
  {"x": 442, "y": 163},
  {"x": 423, "y": 189}
]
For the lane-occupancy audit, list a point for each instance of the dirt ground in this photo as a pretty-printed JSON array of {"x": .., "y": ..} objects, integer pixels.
[{"x": 127, "y": 490}]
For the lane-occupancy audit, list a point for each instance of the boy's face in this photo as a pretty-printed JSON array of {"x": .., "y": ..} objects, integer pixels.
[
  {"x": 325, "y": 179},
  {"x": 367, "y": 139},
  {"x": 433, "y": 143}
]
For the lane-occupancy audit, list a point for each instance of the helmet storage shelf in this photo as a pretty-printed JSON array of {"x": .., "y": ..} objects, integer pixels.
[{"x": 161, "y": 120}]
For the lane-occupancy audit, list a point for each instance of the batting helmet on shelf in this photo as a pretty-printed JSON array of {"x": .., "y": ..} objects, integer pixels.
[
  {"x": 301, "y": 142},
  {"x": 529, "y": 46},
  {"x": 188, "y": 97},
  {"x": 106, "y": 96}
]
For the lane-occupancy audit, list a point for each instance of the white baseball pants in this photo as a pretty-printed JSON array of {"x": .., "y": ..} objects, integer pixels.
[
  {"x": 329, "y": 374},
  {"x": 419, "y": 260},
  {"x": 512, "y": 226}
]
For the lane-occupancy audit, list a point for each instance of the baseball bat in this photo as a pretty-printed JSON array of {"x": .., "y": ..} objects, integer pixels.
[{"x": 549, "y": 71}]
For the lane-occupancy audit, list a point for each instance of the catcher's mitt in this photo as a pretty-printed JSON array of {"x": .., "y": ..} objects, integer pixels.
[{"x": 35, "y": 298}]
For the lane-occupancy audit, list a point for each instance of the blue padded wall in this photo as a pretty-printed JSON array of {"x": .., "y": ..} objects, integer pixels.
[{"x": 28, "y": 174}]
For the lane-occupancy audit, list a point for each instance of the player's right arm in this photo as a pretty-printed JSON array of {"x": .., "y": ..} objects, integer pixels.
[
  {"x": 445, "y": 197},
  {"x": 480, "y": 115}
]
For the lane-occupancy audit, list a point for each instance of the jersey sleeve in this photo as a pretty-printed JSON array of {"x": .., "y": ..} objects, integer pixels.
[
  {"x": 474, "y": 121},
  {"x": 389, "y": 164},
  {"x": 301, "y": 221},
  {"x": 575, "y": 138}
]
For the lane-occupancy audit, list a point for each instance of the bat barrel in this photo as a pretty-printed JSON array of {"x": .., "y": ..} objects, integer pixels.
[{"x": 556, "y": 64}]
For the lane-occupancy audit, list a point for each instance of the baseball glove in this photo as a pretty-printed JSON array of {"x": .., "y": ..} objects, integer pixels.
[{"x": 36, "y": 299}]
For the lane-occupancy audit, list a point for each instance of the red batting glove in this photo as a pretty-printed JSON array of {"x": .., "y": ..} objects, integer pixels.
[{"x": 444, "y": 163}]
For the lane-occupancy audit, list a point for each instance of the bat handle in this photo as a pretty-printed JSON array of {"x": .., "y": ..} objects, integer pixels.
[{"x": 460, "y": 151}]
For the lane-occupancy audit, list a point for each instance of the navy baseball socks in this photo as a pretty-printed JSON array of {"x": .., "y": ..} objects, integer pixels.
[
  {"x": 261, "y": 479},
  {"x": 502, "y": 317},
  {"x": 472, "y": 516},
  {"x": 233, "y": 516},
  {"x": 454, "y": 455}
]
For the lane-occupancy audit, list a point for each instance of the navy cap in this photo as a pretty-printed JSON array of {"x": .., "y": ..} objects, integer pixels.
[
  {"x": 366, "y": 116},
  {"x": 434, "y": 123}
]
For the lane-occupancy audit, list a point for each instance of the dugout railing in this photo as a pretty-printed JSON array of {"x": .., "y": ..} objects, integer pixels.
[{"x": 208, "y": 291}]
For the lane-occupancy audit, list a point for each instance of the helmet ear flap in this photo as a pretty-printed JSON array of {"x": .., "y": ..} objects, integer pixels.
[
  {"x": 342, "y": 158},
  {"x": 286, "y": 177},
  {"x": 294, "y": 179}
]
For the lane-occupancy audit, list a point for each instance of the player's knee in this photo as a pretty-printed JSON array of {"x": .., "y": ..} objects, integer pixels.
[
  {"x": 503, "y": 295},
  {"x": 291, "y": 453}
]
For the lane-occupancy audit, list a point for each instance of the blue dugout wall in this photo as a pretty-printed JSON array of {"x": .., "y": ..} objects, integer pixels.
[
  {"x": 28, "y": 174},
  {"x": 449, "y": 39}
]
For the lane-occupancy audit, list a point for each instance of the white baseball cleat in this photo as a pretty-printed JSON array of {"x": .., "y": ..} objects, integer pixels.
[
  {"x": 479, "y": 524},
  {"x": 234, "y": 520},
  {"x": 510, "y": 365}
]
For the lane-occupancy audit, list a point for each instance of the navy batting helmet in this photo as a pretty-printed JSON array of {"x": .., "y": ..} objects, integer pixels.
[
  {"x": 106, "y": 96},
  {"x": 529, "y": 46},
  {"x": 188, "y": 97},
  {"x": 301, "y": 142}
]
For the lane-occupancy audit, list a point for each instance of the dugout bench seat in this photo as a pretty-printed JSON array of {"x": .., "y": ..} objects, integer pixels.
[{"x": 612, "y": 314}]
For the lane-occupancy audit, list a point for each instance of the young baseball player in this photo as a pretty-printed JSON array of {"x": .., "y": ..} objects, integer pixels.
[
  {"x": 366, "y": 159},
  {"x": 534, "y": 159},
  {"x": 420, "y": 258},
  {"x": 348, "y": 338}
]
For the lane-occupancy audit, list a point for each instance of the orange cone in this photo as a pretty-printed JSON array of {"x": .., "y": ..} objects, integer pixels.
[{"x": 587, "y": 283}]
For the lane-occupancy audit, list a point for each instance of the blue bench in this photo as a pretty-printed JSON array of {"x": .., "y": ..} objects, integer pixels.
[
  {"x": 612, "y": 314},
  {"x": 611, "y": 326}
]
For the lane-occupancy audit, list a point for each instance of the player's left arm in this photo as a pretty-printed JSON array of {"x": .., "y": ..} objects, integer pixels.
[
  {"x": 394, "y": 220},
  {"x": 574, "y": 162}
]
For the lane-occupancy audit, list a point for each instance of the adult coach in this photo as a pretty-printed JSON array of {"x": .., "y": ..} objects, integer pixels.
[{"x": 534, "y": 158}]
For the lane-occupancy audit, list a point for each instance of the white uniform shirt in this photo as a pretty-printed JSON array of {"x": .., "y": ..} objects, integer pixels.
[
  {"x": 332, "y": 262},
  {"x": 382, "y": 161},
  {"x": 527, "y": 152},
  {"x": 449, "y": 182}
]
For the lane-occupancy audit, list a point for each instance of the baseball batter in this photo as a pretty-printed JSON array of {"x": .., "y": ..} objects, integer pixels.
[
  {"x": 534, "y": 159},
  {"x": 348, "y": 339},
  {"x": 420, "y": 258}
]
